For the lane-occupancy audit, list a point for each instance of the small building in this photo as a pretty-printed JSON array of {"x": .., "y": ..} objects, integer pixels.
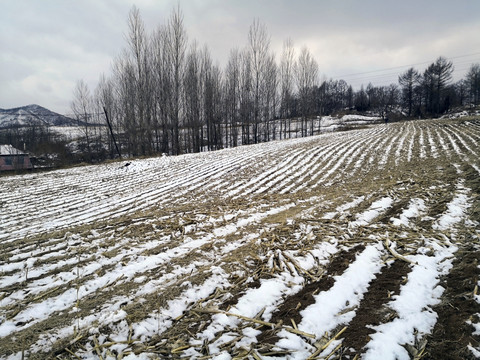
[{"x": 13, "y": 159}]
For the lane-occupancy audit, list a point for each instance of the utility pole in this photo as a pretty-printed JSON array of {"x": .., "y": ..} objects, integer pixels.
[{"x": 111, "y": 132}]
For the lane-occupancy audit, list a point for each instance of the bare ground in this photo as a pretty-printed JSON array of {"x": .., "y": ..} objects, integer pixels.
[{"x": 298, "y": 230}]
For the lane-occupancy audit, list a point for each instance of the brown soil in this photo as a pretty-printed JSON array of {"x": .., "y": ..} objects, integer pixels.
[
  {"x": 299, "y": 229},
  {"x": 372, "y": 310},
  {"x": 240, "y": 291},
  {"x": 292, "y": 306},
  {"x": 452, "y": 334},
  {"x": 393, "y": 211}
]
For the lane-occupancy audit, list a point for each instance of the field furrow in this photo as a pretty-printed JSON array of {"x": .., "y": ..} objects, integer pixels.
[{"x": 354, "y": 244}]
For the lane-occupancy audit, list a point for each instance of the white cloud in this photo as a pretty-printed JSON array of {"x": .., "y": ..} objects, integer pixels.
[{"x": 48, "y": 45}]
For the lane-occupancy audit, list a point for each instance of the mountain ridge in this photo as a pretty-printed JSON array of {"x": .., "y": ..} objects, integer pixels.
[{"x": 33, "y": 114}]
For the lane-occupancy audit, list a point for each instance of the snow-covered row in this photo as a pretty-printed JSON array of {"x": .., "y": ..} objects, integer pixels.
[
  {"x": 373, "y": 211},
  {"x": 335, "y": 306},
  {"x": 415, "y": 317},
  {"x": 171, "y": 231},
  {"x": 94, "y": 193},
  {"x": 456, "y": 211},
  {"x": 416, "y": 208},
  {"x": 263, "y": 299}
]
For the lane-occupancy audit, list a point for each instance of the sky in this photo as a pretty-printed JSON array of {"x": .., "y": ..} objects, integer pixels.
[{"x": 46, "y": 46}]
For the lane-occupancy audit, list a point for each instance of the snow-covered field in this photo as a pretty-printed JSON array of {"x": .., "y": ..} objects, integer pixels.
[{"x": 359, "y": 244}]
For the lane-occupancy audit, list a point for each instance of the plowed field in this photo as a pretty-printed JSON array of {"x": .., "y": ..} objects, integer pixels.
[{"x": 361, "y": 244}]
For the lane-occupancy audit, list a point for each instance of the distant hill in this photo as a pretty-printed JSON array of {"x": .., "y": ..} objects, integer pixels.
[{"x": 33, "y": 115}]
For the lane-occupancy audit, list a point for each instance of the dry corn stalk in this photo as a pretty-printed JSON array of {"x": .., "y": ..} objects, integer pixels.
[
  {"x": 97, "y": 348},
  {"x": 397, "y": 255},
  {"x": 72, "y": 353},
  {"x": 323, "y": 347},
  {"x": 256, "y": 321},
  {"x": 298, "y": 267}
]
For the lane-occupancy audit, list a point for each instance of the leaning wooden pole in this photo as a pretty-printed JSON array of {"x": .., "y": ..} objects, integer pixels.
[{"x": 111, "y": 132}]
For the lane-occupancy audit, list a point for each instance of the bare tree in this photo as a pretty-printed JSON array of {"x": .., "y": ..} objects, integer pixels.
[
  {"x": 473, "y": 79},
  {"x": 270, "y": 98},
  {"x": 208, "y": 97},
  {"x": 161, "y": 89},
  {"x": 436, "y": 78},
  {"x": 383, "y": 99},
  {"x": 408, "y": 81},
  {"x": 82, "y": 109},
  {"x": 460, "y": 91},
  {"x": 193, "y": 100},
  {"x": 246, "y": 95},
  {"x": 140, "y": 61},
  {"x": 361, "y": 99},
  {"x": 125, "y": 94},
  {"x": 166, "y": 97},
  {"x": 214, "y": 96},
  {"x": 232, "y": 96},
  {"x": 306, "y": 72},
  {"x": 258, "y": 45},
  {"x": 105, "y": 101},
  {"x": 287, "y": 64},
  {"x": 176, "y": 45}
]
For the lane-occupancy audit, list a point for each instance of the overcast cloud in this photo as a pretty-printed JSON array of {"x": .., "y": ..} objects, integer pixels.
[{"x": 46, "y": 46}]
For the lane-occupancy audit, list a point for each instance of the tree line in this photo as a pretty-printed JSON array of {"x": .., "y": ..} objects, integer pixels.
[{"x": 167, "y": 95}]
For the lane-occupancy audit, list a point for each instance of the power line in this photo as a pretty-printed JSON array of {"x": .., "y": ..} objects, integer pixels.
[
  {"x": 404, "y": 66},
  {"x": 388, "y": 76}
]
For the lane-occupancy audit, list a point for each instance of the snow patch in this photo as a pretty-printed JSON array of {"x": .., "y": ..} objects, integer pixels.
[
  {"x": 456, "y": 211},
  {"x": 326, "y": 313},
  {"x": 415, "y": 209},
  {"x": 412, "y": 305},
  {"x": 375, "y": 209}
]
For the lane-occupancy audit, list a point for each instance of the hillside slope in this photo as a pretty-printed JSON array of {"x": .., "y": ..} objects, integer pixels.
[
  {"x": 33, "y": 115},
  {"x": 363, "y": 242}
]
